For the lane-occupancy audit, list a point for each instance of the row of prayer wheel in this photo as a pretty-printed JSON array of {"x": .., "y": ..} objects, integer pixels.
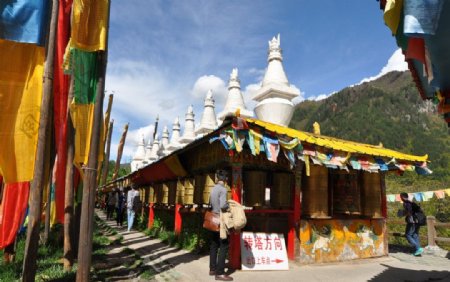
[
  {"x": 196, "y": 190},
  {"x": 315, "y": 193}
]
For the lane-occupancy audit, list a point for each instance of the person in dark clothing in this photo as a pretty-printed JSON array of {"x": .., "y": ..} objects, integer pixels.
[
  {"x": 219, "y": 247},
  {"x": 120, "y": 207},
  {"x": 412, "y": 227}
]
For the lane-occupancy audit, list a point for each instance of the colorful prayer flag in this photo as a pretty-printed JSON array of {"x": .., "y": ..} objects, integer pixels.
[{"x": 21, "y": 73}]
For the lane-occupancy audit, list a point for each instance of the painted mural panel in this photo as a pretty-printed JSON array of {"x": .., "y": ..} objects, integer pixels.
[{"x": 339, "y": 240}]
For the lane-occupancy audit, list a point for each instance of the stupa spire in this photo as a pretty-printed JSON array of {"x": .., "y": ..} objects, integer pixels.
[
  {"x": 155, "y": 149},
  {"x": 276, "y": 94},
  {"x": 235, "y": 100},
  {"x": 208, "y": 122},
  {"x": 174, "y": 140},
  {"x": 139, "y": 155},
  {"x": 164, "y": 142},
  {"x": 189, "y": 127}
]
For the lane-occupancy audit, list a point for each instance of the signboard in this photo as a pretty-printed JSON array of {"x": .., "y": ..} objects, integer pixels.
[{"x": 263, "y": 251}]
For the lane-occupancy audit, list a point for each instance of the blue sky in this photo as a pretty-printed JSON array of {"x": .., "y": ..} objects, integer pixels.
[{"x": 164, "y": 55}]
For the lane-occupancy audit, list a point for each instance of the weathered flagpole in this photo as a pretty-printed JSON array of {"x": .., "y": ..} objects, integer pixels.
[
  {"x": 106, "y": 129},
  {"x": 90, "y": 172},
  {"x": 119, "y": 151},
  {"x": 34, "y": 215},
  {"x": 108, "y": 150},
  {"x": 69, "y": 249}
]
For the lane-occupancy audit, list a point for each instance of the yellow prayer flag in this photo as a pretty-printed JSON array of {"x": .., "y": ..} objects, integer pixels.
[
  {"x": 21, "y": 80},
  {"x": 89, "y": 24}
]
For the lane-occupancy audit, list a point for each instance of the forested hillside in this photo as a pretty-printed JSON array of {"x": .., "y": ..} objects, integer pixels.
[{"x": 388, "y": 110}]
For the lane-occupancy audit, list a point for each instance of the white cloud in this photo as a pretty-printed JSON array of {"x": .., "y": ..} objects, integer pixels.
[
  {"x": 207, "y": 82},
  {"x": 395, "y": 63}
]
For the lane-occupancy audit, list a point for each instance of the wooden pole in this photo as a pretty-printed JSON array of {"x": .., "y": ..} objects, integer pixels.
[
  {"x": 119, "y": 151},
  {"x": 34, "y": 215},
  {"x": 106, "y": 129},
  {"x": 108, "y": 150},
  {"x": 90, "y": 172},
  {"x": 68, "y": 255},
  {"x": 50, "y": 163}
]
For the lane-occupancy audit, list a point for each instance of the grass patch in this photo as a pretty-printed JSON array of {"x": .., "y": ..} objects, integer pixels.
[{"x": 148, "y": 274}]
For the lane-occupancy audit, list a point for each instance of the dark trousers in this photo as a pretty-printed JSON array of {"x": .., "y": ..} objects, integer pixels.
[
  {"x": 119, "y": 218},
  {"x": 110, "y": 211},
  {"x": 218, "y": 246}
]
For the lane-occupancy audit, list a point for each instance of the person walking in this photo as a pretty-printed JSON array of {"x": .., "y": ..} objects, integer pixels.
[
  {"x": 111, "y": 205},
  {"x": 219, "y": 247},
  {"x": 412, "y": 227},
  {"x": 130, "y": 209},
  {"x": 120, "y": 207}
]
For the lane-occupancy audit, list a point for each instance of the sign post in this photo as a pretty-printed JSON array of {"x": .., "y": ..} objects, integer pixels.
[{"x": 263, "y": 251}]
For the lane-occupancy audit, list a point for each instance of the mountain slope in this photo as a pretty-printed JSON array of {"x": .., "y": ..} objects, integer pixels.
[{"x": 388, "y": 110}]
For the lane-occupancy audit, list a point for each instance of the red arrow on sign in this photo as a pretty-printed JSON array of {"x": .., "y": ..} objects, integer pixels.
[{"x": 278, "y": 260}]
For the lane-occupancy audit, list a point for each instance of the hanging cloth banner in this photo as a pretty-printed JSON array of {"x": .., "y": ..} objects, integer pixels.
[
  {"x": 24, "y": 20},
  {"x": 60, "y": 94},
  {"x": 89, "y": 24},
  {"x": 21, "y": 72},
  {"x": 440, "y": 194},
  {"x": 12, "y": 212}
]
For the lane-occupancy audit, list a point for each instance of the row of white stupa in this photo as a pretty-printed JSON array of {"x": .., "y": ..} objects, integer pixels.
[{"x": 274, "y": 105}]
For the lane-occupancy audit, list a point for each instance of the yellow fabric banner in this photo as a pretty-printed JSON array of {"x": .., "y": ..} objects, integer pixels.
[
  {"x": 21, "y": 79},
  {"x": 392, "y": 13},
  {"x": 89, "y": 24},
  {"x": 82, "y": 117}
]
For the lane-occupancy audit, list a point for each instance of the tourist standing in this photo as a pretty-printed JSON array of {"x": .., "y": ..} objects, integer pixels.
[
  {"x": 130, "y": 209},
  {"x": 219, "y": 247},
  {"x": 120, "y": 207}
]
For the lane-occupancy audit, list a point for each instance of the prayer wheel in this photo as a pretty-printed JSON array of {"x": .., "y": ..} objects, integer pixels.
[
  {"x": 188, "y": 191},
  {"x": 165, "y": 193},
  {"x": 180, "y": 192},
  {"x": 371, "y": 191},
  {"x": 254, "y": 186},
  {"x": 209, "y": 184},
  {"x": 151, "y": 194},
  {"x": 315, "y": 192},
  {"x": 172, "y": 192},
  {"x": 199, "y": 184},
  {"x": 281, "y": 191},
  {"x": 158, "y": 193}
]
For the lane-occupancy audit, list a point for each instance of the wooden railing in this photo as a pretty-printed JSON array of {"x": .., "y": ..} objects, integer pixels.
[{"x": 431, "y": 230}]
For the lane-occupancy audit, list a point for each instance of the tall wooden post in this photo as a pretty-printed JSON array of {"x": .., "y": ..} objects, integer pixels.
[
  {"x": 294, "y": 218},
  {"x": 107, "y": 128},
  {"x": 34, "y": 215},
  {"x": 90, "y": 172},
  {"x": 69, "y": 212},
  {"x": 107, "y": 152},
  {"x": 119, "y": 151},
  {"x": 384, "y": 213},
  {"x": 236, "y": 194}
]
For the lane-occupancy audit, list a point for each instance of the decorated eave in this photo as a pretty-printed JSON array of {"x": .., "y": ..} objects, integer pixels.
[
  {"x": 238, "y": 133},
  {"x": 422, "y": 31}
]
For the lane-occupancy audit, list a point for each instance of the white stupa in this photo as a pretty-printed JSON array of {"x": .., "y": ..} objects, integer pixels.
[
  {"x": 275, "y": 95},
  {"x": 164, "y": 142},
  {"x": 155, "y": 148},
  {"x": 189, "y": 127},
  {"x": 148, "y": 150},
  {"x": 234, "y": 99},
  {"x": 174, "y": 140},
  {"x": 208, "y": 122},
  {"x": 139, "y": 156}
]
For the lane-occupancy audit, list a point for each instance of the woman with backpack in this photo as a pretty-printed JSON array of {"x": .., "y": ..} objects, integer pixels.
[{"x": 412, "y": 226}]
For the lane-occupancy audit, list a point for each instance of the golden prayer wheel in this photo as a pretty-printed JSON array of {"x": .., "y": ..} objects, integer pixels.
[
  {"x": 158, "y": 193},
  {"x": 165, "y": 193},
  {"x": 281, "y": 191},
  {"x": 180, "y": 192},
  {"x": 371, "y": 191},
  {"x": 199, "y": 185},
  {"x": 254, "y": 186},
  {"x": 172, "y": 192},
  {"x": 188, "y": 191},
  {"x": 315, "y": 192},
  {"x": 209, "y": 184},
  {"x": 151, "y": 194}
]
